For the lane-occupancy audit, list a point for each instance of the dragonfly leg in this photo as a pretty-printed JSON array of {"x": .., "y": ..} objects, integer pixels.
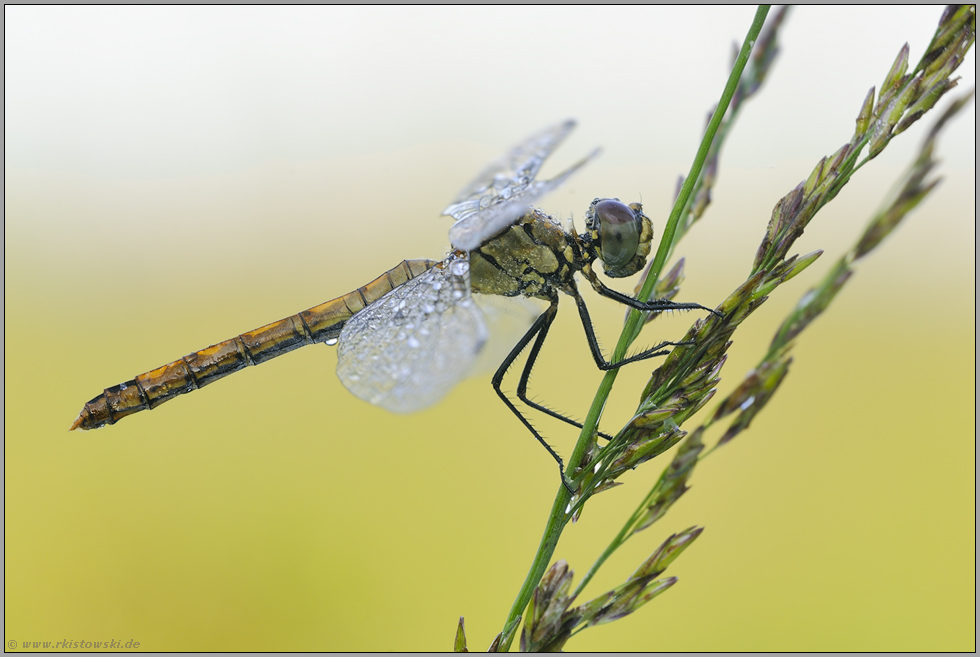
[
  {"x": 539, "y": 328},
  {"x": 600, "y": 360},
  {"x": 532, "y": 358},
  {"x": 654, "y": 305}
]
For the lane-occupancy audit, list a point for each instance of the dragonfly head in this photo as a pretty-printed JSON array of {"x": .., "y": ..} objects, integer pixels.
[{"x": 620, "y": 235}]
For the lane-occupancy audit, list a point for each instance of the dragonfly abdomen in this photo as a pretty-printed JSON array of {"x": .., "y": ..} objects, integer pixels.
[{"x": 321, "y": 323}]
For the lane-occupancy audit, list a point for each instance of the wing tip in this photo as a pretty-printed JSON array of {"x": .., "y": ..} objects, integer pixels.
[{"x": 462, "y": 240}]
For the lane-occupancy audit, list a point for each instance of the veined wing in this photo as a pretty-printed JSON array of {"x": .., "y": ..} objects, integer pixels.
[
  {"x": 524, "y": 160},
  {"x": 507, "y": 320},
  {"x": 408, "y": 349},
  {"x": 506, "y": 188}
]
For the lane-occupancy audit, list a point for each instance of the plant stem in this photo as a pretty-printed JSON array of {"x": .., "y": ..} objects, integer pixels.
[
  {"x": 624, "y": 533},
  {"x": 667, "y": 240},
  {"x": 560, "y": 515},
  {"x": 556, "y": 523}
]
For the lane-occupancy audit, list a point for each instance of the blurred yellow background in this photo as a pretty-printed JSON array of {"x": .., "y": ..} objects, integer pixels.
[{"x": 174, "y": 177}]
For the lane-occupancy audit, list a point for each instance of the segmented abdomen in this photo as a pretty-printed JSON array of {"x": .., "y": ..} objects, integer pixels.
[{"x": 318, "y": 324}]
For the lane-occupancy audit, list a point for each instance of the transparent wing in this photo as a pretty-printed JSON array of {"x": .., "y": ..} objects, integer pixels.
[
  {"x": 408, "y": 349},
  {"x": 507, "y": 319},
  {"x": 501, "y": 194},
  {"x": 523, "y": 161}
]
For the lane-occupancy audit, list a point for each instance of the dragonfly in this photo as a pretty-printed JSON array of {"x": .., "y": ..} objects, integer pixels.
[{"x": 405, "y": 339}]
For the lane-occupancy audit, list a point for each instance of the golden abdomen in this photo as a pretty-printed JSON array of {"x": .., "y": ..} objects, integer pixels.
[{"x": 321, "y": 323}]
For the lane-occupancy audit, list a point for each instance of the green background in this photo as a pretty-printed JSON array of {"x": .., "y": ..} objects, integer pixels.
[{"x": 174, "y": 177}]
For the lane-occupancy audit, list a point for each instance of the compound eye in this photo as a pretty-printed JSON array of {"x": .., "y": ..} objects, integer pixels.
[{"x": 619, "y": 232}]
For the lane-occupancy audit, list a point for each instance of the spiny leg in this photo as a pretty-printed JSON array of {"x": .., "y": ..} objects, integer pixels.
[
  {"x": 532, "y": 358},
  {"x": 654, "y": 305},
  {"x": 600, "y": 361},
  {"x": 539, "y": 331},
  {"x": 542, "y": 322}
]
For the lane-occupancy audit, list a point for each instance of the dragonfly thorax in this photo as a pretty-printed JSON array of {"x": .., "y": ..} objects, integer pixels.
[
  {"x": 619, "y": 235},
  {"x": 534, "y": 257}
]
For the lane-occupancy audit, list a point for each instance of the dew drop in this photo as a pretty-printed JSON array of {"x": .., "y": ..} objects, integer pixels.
[{"x": 331, "y": 341}]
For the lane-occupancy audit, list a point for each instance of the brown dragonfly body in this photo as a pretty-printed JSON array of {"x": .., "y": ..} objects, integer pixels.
[
  {"x": 321, "y": 323},
  {"x": 408, "y": 337}
]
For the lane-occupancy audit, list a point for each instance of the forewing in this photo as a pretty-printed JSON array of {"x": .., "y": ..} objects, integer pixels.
[
  {"x": 510, "y": 171},
  {"x": 411, "y": 347},
  {"x": 507, "y": 188}
]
